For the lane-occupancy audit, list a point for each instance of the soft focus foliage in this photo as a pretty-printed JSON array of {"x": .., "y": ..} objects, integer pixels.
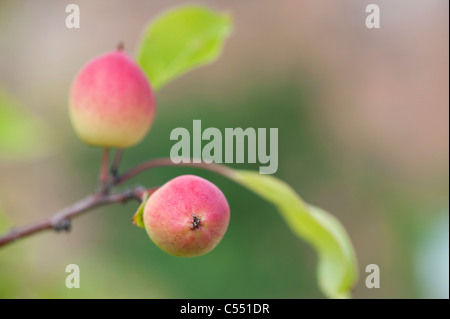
[
  {"x": 22, "y": 135},
  {"x": 337, "y": 268},
  {"x": 182, "y": 39}
]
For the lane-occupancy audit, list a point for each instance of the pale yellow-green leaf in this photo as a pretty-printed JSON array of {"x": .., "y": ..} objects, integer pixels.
[
  {"x": 337, "y": 270},
  {"x": 181, "y": 39},
  {"x": 138, "y": 217}
]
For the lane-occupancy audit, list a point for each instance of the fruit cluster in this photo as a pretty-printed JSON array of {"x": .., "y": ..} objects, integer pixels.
[{"x": 112, "y": 105}]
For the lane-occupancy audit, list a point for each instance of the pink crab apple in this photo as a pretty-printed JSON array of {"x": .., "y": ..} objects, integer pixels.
[
  {"x": 111, "y": 102},
  {"x": 187, "y": 216}
]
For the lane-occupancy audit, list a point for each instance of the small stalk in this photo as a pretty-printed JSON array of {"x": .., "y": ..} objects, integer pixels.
[
  {"x": 104, "y": 175},
  {"x": 116, "y": 162}
]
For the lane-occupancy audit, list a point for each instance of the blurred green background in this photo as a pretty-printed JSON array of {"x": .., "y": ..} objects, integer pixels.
[{"x": 363, "y": 132}]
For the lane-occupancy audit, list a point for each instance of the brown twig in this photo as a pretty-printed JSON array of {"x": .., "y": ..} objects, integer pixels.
[
  {"x": 104, "y": 174},
  {"x": 61, "y": 221},
  {"x": 160, "y": 162},
  {"x": 116, "y": 162}
]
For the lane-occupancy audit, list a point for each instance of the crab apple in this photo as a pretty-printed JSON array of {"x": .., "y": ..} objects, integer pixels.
[
  {"x": 187, "y": 216},
  {"x": 111, "y": 102}
]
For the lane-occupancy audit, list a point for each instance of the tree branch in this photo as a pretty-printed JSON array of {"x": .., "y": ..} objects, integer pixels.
[
  {"x": 159, "y": 162},
  {"x": 104, "y": 174},
  {"x": 116, "y": 162},
  {"x": 61, "y": 220}
]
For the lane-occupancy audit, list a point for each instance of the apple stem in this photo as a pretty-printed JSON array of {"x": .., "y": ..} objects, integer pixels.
[
  {"x": 116, "y": 162},
  {"x": 104, "y": 175}
]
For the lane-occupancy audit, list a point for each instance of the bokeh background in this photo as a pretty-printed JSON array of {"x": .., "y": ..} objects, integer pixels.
[{"x": 363, "y": 118}]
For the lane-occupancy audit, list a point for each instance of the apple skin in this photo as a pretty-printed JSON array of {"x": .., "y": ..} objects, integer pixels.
[
  {"x": 111, "y": 102},
  {"x": 187, "y": 216}
]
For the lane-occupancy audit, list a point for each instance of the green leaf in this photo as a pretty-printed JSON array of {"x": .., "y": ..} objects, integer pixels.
[
  {"x": 22, "y": 135},
  {"x": 337, "y": 270},
  {"x": 138, "y": 217},
  {"x": 180, "y": 40}
]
